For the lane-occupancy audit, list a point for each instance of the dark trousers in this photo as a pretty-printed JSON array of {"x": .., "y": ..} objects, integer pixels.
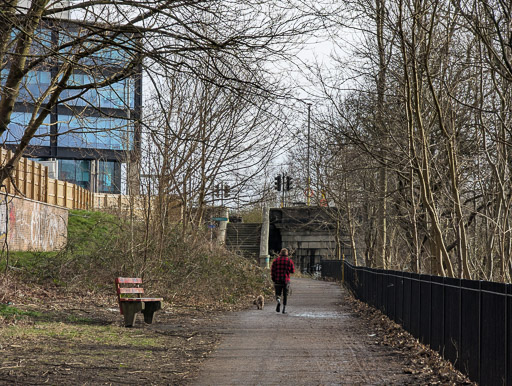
[{"x": 282, "y": 288}]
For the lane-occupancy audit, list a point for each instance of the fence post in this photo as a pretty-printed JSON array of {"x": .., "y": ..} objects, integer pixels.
[
  {"x": 74, "y": 200},
  {"x": 56, "y": 191},
  {"x": 10, "y": 189},
  {"x": 479, "y": 331},
  {"x": 444, "y": 318},
  {"x": 65, "y": 194},
  {"x": 46, "y": 184},
  {"x": 460, "y": 317},
  {"x": 25, "y": 177},
  {"x": 17, "y": 178},
  {"x": 430, "y": 316},
  {"x": 343, "y": 268},
  {"x": 506, "y": 336},
  {"x": 33, "y": 182},
  {"x": 8, "y": 185},
  {"x": 39, "y": 181},
  {"x": 403, "y": 296}
]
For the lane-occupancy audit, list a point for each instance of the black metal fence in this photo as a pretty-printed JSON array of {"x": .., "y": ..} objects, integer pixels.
[
  {"x": 331, "y": 269},
  {"x": 469, "y": 322}
]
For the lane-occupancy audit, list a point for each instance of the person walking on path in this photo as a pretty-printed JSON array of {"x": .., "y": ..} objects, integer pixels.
[{"x": 281, "y": 269}]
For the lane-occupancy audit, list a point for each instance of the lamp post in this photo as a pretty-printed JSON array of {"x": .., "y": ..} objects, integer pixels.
[{"x": 308, "y": 182}]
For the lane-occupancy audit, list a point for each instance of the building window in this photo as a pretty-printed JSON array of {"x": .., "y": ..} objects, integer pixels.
[
  {"x": 77, "y": 172},
  {"x": 18, "y": 125},
  {"x": 34, "y": 86},
  {"x": 95, "y": 132},
  {"x": 109, "y": 177}
]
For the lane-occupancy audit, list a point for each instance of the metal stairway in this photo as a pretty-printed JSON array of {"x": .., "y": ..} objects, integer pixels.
[{"x": 244, "y": 239}]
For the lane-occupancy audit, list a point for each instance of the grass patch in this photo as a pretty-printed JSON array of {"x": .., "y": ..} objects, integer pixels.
[
  {"x": 7, "y": 311},
  {"x": 79, "y": 319},
  {"x": 89, "y": 230},
  {"x": 11, "y": 313},
  {"x": 79, "y": 334},
  {"x": 91, "y": 238},
  {"x": 27, "y": 261},
  {"x": 182, "y": 266}
]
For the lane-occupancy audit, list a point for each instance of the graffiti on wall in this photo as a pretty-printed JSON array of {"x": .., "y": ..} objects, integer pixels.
[
  {"x": 32, "y": 226},
  {"x": 4, "y": 213}
]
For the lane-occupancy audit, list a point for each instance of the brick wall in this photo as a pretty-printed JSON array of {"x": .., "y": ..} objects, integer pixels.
[{"x": 32, "y": 226}]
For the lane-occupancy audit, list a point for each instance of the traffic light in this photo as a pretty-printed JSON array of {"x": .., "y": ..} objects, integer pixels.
[
  {"x": 288, "y": 183},
  {"x": 277, "y": 183},
  {"x": 226, "y": 190}
]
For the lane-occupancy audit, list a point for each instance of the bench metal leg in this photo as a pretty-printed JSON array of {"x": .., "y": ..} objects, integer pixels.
[
  {"x": 130, "y": 310},
  {"x": 149, "y": 309}
]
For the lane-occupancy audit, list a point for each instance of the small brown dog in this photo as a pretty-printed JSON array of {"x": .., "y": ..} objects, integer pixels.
[{"x": 260, "y": 302}]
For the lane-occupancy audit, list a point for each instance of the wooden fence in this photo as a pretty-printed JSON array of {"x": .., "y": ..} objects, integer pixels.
[
  {"x": 31, "y": 180},
  {"x": 108, "y": 201},
  {"x": 139, "y": 205}
]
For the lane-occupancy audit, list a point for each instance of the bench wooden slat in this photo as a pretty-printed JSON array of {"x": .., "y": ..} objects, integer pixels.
[
  {"x": 128, "y": 280},
  {"x": 130, "y": 290},
  {"x": 131, "y": 302},
  {"x": 142, "y": 299}
]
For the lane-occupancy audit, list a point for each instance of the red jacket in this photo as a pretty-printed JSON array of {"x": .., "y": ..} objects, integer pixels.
[{"x": 281, "y": 269}]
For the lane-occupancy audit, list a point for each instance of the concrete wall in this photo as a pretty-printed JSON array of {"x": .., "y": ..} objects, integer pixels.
[
  {"x": 32, "y": 226},
  {"x": 310, "y": 232},
  {"x": 309, "y": 247}
]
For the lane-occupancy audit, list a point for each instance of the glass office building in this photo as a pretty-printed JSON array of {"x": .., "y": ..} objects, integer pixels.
[{"x": 91, "y": 134}]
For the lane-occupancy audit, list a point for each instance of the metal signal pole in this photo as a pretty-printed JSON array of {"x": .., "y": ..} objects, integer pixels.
[{"x": 285, "y": 196}]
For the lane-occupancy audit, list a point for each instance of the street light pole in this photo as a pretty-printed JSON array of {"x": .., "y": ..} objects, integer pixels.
[{"x": 308, "y": 182}]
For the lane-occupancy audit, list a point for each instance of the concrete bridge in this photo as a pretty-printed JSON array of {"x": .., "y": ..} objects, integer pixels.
[{"x": 312, "y": 234}]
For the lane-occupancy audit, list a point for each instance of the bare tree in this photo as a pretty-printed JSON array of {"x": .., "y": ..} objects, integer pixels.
[
  {"x": 204, "y": 135},
  {"x": 445, "y": 143},
  {"x": 108, "y": 43}
]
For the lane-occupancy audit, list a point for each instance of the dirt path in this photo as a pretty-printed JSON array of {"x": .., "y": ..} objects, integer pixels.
[{"x": 321, "y": 341}]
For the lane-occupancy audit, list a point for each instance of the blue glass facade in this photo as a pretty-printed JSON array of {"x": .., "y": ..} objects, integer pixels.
[
  {"x": 37, "y": 82},
  {"x": 19, "y": 121},
  {"x": 85, "y": 173},
  {"x": 108, "y": 173},
  {"x": 95, "y": 132},
  {"x": 119, "y": 95},
  {"x": 90, "y": 131},
  {"x": 78, "y": 130},
  {"x": 77, "y": 172}
]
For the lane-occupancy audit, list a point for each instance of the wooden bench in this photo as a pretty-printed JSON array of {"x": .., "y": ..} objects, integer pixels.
[{"x": 131, "y": 301}]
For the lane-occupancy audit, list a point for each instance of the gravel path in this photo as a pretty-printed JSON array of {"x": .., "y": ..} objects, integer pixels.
[{"x": 319, "y": 342}]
